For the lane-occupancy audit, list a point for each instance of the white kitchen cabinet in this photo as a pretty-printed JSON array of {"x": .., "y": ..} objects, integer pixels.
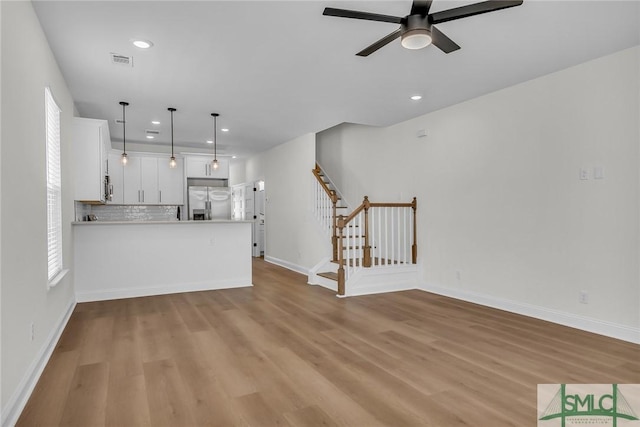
[
  {"x": 90, "y": 141},
  {"x": 148, "y": 180},
  {"x": 170, "y": 182},
  {"x": 141, "y": 180},
  {"x": 200, "y": 167},
  {"x": 116, "y": 174}
]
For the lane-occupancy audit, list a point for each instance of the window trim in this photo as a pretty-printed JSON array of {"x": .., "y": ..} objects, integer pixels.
[{"x": 55, "y": 261}]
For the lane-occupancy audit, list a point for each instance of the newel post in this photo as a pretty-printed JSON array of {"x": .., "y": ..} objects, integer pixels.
[
  {"x": 366, "y": 255},
  {"x": 341, "y": 255},
  {"x": 334, "y": 219},
  {"x": 414, "y": 247}
]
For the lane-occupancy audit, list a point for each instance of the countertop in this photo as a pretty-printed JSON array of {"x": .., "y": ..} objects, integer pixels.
[{"x": 212, "y": 221}]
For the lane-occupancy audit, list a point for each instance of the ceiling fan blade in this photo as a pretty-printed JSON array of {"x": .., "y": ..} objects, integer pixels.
[
  {"x": 443, "y": 42},
  {"x": 344, "y": 13},
  {"x": 471, "y": 10},
  {"x": 380, "y": 43},
  {"x": 420, "y": 7}
]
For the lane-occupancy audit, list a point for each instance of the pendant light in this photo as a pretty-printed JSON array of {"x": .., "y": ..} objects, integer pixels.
[
  {"x": 172, "y": 162},
  {"x": 124, "y": 134},
  {"x": 214, "y": 164}
]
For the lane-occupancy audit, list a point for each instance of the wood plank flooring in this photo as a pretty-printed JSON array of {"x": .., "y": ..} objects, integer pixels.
[{"x": 284, "y": 353}]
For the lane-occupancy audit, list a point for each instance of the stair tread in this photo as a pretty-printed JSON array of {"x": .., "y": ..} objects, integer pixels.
[{"x": 329, "y": 275}]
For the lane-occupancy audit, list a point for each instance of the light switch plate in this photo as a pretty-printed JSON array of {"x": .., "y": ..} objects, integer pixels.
[
  {"x": 598, "y": 172},
  {"x": 584, "y": 173}
]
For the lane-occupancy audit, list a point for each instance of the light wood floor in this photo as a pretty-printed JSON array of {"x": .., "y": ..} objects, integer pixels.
[{"x": 285, "y": 353}]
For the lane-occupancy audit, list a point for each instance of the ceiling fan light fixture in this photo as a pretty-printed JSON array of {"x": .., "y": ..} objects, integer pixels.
[{"x": 417, "y": 38}]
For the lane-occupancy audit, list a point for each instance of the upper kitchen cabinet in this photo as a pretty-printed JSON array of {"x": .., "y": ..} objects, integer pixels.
[
  {"x": 200, "y": 167},
  {"x": 171, "y": 182},
  {"x": 91, "y": 142},
  {"x": 148, "y": 180},
  {"x": 141, "y": 181}
]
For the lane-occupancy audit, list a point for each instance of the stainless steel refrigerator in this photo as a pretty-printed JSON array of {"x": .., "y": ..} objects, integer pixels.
[{"x": 207, "y": 203}]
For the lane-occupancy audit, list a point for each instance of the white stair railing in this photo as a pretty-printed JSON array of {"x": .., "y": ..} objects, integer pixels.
[
  {"x": 376, "y": 235},
  {"x": 323, "y": 207},
  {"x": 391, "y": 232}
]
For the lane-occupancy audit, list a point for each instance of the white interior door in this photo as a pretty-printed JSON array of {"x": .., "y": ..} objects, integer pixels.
[
  {"x": 250, "y": 214},
  {"x": 237, "y": 194},
  {"x": 260, "y": 210}
]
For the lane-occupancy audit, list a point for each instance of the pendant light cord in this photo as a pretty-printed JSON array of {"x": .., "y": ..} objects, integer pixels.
[
  {"x": 124, "y": 132},
  {"x": 215, "y": 136},
  {"x": 124, "y": 127},
  {"x": 171, "y": 110}
]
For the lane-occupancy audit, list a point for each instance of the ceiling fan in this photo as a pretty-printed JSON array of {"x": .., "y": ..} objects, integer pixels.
[{"x": 417, "y": 28}]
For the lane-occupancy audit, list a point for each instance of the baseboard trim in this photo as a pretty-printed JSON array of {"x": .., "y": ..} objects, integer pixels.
[
  {"x": 15, "y": 405},
  {"x": 286, "y": 264},
  {"x": 120, "y": 293},
  {"x": 600, "y": 327}
]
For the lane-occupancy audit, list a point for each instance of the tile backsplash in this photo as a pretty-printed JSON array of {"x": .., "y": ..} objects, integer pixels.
[{"x": 127, "y": 212}]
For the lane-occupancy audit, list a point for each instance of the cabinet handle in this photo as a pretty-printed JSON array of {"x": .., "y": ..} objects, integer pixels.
[
  {"x": 142, "y": 196},
  {"x": 139, "y": 200},
  {"x": 160, "y": 196}
]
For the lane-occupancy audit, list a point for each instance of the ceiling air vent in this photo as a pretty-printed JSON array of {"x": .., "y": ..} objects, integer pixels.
[
  {"x": 122, "y": 59},
  {"x": 152, "y": 132}
]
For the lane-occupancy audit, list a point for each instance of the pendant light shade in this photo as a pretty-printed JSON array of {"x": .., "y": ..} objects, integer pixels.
[
  {"x": 214, "y": 164},
  {"x": 172, "y": 162},
  {"x": 124, "y": 133}
]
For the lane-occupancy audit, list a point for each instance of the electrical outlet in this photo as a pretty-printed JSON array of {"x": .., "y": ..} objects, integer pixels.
[
  {"x": 584, "y": 297},
  {"x": 212, "y": 241},
  {"x": 33, "y": 331},
  {"x": 458, "y": 275}
]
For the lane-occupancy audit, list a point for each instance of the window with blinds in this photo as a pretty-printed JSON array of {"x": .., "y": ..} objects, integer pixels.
[{"x": 54, "y": 187}]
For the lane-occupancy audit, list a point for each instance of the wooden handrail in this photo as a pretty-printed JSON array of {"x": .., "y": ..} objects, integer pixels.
[
  {"x": 391, "y": 205},
  {"x": 353, "y": 214},
  {"x": 332, "y": 194}
]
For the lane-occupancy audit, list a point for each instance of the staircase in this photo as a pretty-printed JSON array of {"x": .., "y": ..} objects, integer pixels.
[{"x": 373, "y": 247}]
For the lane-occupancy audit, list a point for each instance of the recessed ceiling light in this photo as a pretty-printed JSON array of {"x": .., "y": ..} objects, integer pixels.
[
  {"x": 209, "y": 142},
  {"x": 155, "y": 122},
  {"x": 234, "y": 157},
  {"x": 416, "y": 97},
  {"x": 142, "y": 44},
  {"x": 150, "y": 136},
  {"x": 224, "y": 130}
]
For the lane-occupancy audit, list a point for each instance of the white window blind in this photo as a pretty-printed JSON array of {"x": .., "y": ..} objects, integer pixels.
[{"x": 54, "y": 187}]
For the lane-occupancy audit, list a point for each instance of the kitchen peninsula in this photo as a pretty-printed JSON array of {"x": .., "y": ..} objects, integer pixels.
[{"x": 123, "y": 259}]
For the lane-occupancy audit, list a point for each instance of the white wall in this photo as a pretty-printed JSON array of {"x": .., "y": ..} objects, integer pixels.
[
  {"x": 237, "y": 172},
  {"x": 500, "y": 201},
  {"x": 1, "y": 405},
  {"x": 291, "y": 235},
  {"x": 28, "y": 66}
]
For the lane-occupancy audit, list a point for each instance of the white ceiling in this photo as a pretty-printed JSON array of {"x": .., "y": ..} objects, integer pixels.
[{"x": 277, "y": 70}]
